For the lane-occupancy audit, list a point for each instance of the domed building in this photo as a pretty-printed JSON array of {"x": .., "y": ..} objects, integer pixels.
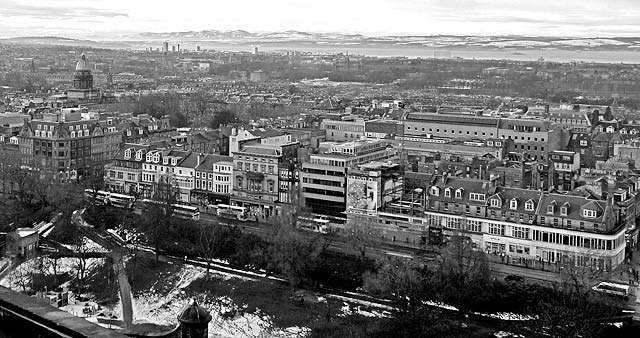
[
  {"x": 83, "y": 84},
  {"x": 194, "y": 321}
]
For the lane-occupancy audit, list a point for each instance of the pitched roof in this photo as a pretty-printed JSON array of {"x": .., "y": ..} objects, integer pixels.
[{"x": 261, "y": 150}]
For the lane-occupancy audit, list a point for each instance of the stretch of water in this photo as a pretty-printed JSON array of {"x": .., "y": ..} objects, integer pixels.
[{"x": 630, "y": 56}]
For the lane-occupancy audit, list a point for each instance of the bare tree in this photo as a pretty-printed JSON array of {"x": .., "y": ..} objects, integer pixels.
[
  {"x": 292, "y": 253},
  {"x": 209, "y": 243},
  {"x": 362, "y": 235}
]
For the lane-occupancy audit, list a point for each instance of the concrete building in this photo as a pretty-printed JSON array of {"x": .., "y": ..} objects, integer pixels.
[
  {"x": 533, "y": 139},
  {"x": 323, "y": 179},
  {"x": 340, "y": 131},
  {"x": 372, "y": 185},
  {"x": 450, "y": 125}
]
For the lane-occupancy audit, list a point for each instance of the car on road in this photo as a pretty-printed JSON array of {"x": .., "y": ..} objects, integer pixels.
[{"x": 514, "y": 278}]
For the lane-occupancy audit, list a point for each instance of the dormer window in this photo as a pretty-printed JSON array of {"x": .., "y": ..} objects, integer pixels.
[
  {"x": 589, "y": 213},
  {"x": 174, "y": 161},
  {"x": 149, "y": 157},
  {"x": 156, "y": 158},
  {"x": 476, "y": 197},
  {"x": 459, "y": 193},
  {"x": 447, "y": 192},
  {"x": 435, "y": 191},
  {"x": 495, "y": 202},
  {"x": 513, "y": 204},
  {"x": 529, "y": 205},
  {"x": 551, "y": 208},
  {"x": 564, "y": 209},
  {"x": 138, "y": 155},
  {"x": 165, "y": 160},
  {"x": 127, "y": 154}
]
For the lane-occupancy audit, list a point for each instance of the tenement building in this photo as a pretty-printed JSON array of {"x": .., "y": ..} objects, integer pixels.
[
  {"x": 525, "y": 227},
  {"x": 68, "y": 143}
]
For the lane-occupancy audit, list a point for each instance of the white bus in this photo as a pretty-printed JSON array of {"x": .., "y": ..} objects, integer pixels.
[
  {"x": 102, "y": 197},
  {"x": 613, "y": 289},
  {"x": 185, "y": 211},
  {"x": 121, "y": 201},
  {"x": 231, "y": 211},
  {"x": 315, "y": 223}
]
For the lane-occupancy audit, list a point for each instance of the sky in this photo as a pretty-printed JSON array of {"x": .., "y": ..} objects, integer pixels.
[{"x": 99, "y": 19}]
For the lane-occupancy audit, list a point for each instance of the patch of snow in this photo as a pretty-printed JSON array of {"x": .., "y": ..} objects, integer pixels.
[
  {"x": 228, "y": 318},
  {"x": 21, "y": 275}
]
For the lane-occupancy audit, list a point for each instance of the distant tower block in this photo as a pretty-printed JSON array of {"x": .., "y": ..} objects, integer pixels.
[
  {"x": 442, "y": 54},
  {"x": 173, "y": 48},
  {"x": 178, "y": 48},
  {"x": 194, "y": 321},
  {"x": 255, "y": 50},
  {"x": 165, "y": 46}
]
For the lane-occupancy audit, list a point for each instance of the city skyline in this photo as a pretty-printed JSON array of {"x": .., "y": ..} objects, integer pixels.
[{"x": 99, "y": 19}]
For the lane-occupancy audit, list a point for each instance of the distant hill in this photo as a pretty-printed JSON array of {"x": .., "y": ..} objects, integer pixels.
[
  {"x": 432, "y": 41},
  {"x": 63, "y": 41}
]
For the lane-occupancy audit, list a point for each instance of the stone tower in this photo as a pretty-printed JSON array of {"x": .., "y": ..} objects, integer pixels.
[{"x": 194, "y": 321}]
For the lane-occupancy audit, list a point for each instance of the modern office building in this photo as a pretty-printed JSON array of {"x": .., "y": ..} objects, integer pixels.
[{"x": 323, "y": 179}]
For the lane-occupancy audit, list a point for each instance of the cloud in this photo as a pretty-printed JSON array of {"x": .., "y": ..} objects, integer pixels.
[
  {"x": 378, "y": 17},
  {"x": 15, "y": 9}
]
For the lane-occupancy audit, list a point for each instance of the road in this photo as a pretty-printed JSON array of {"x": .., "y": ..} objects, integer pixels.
[{"x": 108, "y": 240}]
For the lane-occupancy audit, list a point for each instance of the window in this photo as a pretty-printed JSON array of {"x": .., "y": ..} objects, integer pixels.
[
  {"x": 551, "y": 208},
  {"x": 447, "y": 192},
  {"x": 564, "y": 210},
  {"x": 589, "y": 213},
  {"x": 513, "y": 205},
  {"x": 474, "y": 226},
  {"x": 477, "y": 197},
  {"x": 459, "y": 193},
  {"x": 495, "y": 202},
  {"x": 529, "y": 205},
  {"x": 520, "y": 232},
  {"x": 435, "y": 191},
  {"x": 496, "y": 229}
]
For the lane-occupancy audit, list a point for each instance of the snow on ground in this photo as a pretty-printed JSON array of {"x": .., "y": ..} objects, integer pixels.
[
  {"x": 90, "y": 246},
  {"x": 229, "y": 318},
  {"x": 21, "y": 275},
  {"x": 348, "y": 309}
]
